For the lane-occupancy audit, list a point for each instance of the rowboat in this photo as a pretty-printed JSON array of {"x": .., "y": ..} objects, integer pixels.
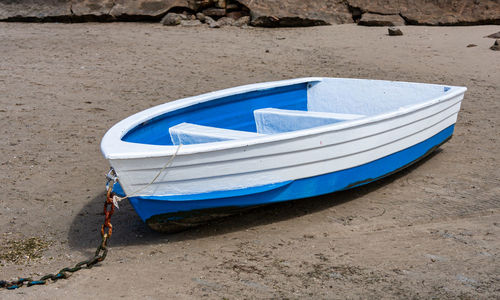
[{"x": 212, "y": 155}]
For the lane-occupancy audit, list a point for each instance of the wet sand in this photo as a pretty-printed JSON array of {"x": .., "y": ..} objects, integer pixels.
[{"x": 429, "y": 231}]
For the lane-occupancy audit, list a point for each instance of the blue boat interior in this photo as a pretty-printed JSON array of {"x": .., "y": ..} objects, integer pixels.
[{"x": 280, "y": 109}]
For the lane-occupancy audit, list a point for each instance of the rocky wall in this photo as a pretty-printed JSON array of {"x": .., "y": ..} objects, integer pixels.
[{"x": 267, "y": 13}]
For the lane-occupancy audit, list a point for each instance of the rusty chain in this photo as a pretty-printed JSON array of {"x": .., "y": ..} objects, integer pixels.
[{"x": 99, "y": 256}]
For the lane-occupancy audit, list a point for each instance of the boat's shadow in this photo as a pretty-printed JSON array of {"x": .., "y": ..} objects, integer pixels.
[{"x": 128, "y": 229}]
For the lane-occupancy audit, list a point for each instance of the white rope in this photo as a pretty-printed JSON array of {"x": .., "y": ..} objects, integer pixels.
[{"x": 117, "y": 199}]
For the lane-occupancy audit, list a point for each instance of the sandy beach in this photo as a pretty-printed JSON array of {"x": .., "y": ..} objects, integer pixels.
[{"x": 432, "y": 230}]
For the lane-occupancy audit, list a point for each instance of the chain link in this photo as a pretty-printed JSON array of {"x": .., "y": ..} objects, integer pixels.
[{"x": 99, "y": 256}]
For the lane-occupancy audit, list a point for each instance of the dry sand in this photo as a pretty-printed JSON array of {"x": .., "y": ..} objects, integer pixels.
[{"x": 432, "y": 230}]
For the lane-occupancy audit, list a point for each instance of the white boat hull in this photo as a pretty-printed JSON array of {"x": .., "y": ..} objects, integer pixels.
[{"x": 232, "y": 169}]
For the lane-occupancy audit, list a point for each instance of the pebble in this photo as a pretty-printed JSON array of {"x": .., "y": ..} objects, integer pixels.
[
  {"x": 393, "y": 31},
  {"x": 495, "y": 35},
  {"x": 225, "y": 21},
  {"x": 190, "y": 23},
  {"x": 496, "y": 46},
  {"x": 200, "y": 16},
  {"x": 243, "y": 21},
  {"x": 172, "y": 19}
]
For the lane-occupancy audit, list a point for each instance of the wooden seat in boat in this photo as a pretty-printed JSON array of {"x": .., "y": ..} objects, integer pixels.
[
  {"x": 273, "y": 120},
  {"x": 187, "y": 133}
]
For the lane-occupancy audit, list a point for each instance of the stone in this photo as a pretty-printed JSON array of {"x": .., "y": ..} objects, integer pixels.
[
  {"x": 225, "y": 21},
  {"x": 393, "y": 31},
  {"x": 267, "y": 13},
  {"x": 211, "y": 22},
  {"x": 495, "y": 35},
  {"x": 496, "y": 46},
  {"x": 91, "y": 10},
  {"x": 386, "y": 7},
  {"x": 369, "y": 19},
  {"x": 145, "y": 8},
  {"x": 190, "y": 23},
  {"x": 243, "y": 21},
  {"x": 42, "y": 9},
  {"x": 471, "y": 45},
  {"x": 424, "y": 12},
  {"x": 173, "y": 19},
  {"x": 235, "y": 14},
  {"x": 201, "y": 4},
  {"x": 435, "y": 12},
  {"x": 214, "y": 12},
  {"x": 273, "y": 21},
  {"x": 92, "y": 7},
  {"x": 220, "y": 4},
  {"x": 200, "y": 16},
  {"x": 265, "y": 21},
  {"x": 232, "y": 6}
]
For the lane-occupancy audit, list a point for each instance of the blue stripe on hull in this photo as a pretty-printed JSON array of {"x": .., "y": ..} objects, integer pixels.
[{"x": 302, "y": 188}]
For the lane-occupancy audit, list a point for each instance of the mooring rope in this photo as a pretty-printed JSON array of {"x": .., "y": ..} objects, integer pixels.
[{"x": 117, "y": 199}]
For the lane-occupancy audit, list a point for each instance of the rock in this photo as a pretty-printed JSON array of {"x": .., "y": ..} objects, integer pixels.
[
  {"x": 393, "y": 31},
  {"x": 232, "y": 6},
  {"x": 200, "y": 16},
  {"x": 243, "y": 21},
  {"x": 386, "y": 7},
  {"x": 471, "y": 45},
  {"x": 87, "y": 10},
  {"x": 220, "y": 4},
  {"x": 235, "y": 14},
  {"x": 435, "y": 12},
  {"x": 225, "y": 21},
  {"x": 268, "y": 13},
  {"x": 148, "y": 8},
  {"x": 173, "y": 19},
  {"x": 370, "y": 19},
  {"x": 214, "y": 12},
  {"x": 435, "y": 258},
  {"x": 95, "y": 8},
  {"x": 274, "y": 21},
  {"x": 425, "y": 12},
  {"x": 211, "y": 22},
  {"x": 496, "y": 46},
  {"x": 201, "y": 4},
  {"x": 20, "y": 10},
  {"x": 190, "y": 23},
  {"x": 265, "y": 21},
  {"x": 494, "y": 35}
]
